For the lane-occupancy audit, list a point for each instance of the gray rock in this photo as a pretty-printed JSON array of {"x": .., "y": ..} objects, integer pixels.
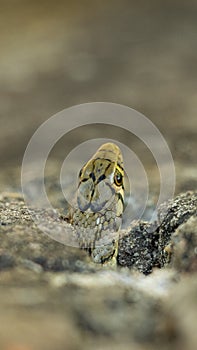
[{"x": 146, "y": 246}]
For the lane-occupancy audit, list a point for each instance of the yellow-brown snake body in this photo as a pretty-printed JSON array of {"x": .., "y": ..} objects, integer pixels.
[{"x": 100, "y": 202}]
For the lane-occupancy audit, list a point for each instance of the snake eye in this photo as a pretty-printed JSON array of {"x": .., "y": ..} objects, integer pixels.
[{"x": 118, "y": 178}]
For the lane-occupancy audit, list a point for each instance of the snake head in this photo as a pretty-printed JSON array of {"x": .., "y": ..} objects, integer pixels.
[{"x": 101, "y": 181}]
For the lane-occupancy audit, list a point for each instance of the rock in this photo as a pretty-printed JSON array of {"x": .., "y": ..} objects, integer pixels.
[
  {"x": 184, "y": 246},
  {"x": 171, "y": 216},
  {"x": 52, "y": 296},
  {"x": 138, "y": 247},
  {"x": 145, "y": 246},
  {"x": 22, "y": 243}
]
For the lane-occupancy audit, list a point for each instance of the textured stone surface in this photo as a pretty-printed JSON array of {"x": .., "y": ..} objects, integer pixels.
[
  {"x": 138, "y": 248},
  {"x": 184, "y": 246},
  {"x": 52, "y": 296},
  {"x": 146, "y": 246},
  {"x": 171, "y": 217}
]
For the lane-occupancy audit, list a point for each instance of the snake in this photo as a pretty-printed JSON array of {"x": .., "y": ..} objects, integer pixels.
[{"x": 97, "y": 216}]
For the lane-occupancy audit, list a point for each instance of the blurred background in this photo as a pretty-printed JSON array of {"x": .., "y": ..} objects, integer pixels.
[{"x": 55, "y": 54}]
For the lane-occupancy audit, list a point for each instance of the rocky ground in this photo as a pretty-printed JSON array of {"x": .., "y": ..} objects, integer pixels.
[{"x": 53, "y": 297}]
